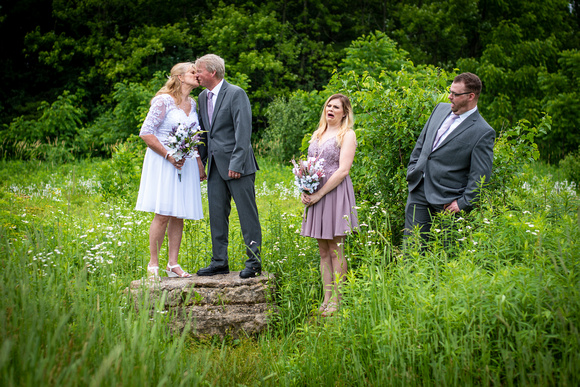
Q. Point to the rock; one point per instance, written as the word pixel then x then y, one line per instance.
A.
pixel 217 305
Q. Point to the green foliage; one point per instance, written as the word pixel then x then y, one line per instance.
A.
pixel 373 54
pixel 122 175
pixel 256 44
pixel 494 306
pixel 49 137
pixel 289 121
pixel 497 306
pixel 525 53
pixel 570 166
pixel 131 104
pixel 562 101
pixel 59 120
pixel 431 31
pixel 526 72
pixel 513 149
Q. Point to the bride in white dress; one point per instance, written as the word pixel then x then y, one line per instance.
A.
pixel 161 191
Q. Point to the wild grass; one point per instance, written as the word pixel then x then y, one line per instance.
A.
pixel 494 300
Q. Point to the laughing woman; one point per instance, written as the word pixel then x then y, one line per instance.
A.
pixel 331 213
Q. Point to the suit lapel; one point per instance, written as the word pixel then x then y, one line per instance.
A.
pixel 203 108
pixel 466 124
pixel 218 102
pixel 437 122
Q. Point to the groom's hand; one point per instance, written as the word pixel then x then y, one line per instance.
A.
pixel 452 207
pixel 234 175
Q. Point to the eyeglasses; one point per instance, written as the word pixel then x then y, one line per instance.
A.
pixel 454 94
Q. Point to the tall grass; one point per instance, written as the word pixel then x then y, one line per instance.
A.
pixel 493 301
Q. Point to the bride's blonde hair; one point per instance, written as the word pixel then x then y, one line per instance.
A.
pixel 346 124
pixel 173 84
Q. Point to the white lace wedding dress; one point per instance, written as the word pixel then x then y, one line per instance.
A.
pixel 161 191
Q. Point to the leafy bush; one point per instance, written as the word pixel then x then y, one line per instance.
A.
pixel 513 149
pixel 289 121
pixel 132 101
pixel 121 175
pixel 374 53
pixel 49 137
pixel 570 166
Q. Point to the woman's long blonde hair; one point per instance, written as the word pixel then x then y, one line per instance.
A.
pixel 173 84
pixel 346 124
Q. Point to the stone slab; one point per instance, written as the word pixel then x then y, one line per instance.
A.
pixel 216 305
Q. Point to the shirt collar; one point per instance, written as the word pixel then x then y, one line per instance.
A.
pixel 217 88
pixel 467 113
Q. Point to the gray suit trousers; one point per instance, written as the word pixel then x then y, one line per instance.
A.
pixel 220 192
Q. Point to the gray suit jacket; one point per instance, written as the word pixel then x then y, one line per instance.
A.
pixel 454 169
pixel 228 138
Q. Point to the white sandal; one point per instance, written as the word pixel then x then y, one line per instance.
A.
pixel 153 272
pixel 172 274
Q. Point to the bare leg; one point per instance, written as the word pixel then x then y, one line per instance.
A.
pixel 325 270
pixel 339 265
pixel 174 234
pixel 156 236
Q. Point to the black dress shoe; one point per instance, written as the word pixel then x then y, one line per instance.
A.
pixel 250 272
pixel 213 270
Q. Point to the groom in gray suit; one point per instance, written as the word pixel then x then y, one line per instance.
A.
pixel 226 116
pixel 451 157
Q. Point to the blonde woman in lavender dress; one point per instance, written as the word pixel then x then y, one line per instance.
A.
pixel 162 191
pixel 331 212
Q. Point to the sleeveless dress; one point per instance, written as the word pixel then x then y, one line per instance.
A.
pixel 160 190
pixel 335 214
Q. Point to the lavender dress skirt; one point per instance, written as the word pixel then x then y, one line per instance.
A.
pixel 335 214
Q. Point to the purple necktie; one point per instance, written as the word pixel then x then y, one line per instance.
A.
pixel 209 105
pixel 443 129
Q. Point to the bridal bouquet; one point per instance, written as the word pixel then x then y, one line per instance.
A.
pixel 307 174
pixel 183 140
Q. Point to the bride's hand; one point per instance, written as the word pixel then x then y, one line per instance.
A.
pixel 176 164
pixel 202 174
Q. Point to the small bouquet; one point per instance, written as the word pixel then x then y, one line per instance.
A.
pixel 183 140
pixel 307 174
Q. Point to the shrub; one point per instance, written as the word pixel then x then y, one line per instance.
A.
pixel 57 127
pixel 514 148
pixel 121 175
pixel 125 119
pixel 289 120
pixel 570 166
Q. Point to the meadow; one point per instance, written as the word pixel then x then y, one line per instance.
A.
pixel 494 300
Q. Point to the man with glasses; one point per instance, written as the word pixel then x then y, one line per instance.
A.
pixel 451 157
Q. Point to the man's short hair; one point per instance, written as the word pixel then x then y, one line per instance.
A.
pixel 212 63
pixel 471 81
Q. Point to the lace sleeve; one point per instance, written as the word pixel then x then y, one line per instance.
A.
pixel 155 116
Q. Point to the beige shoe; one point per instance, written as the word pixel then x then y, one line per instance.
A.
pixel 172 274
pixel 153 273
pixel 330 310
